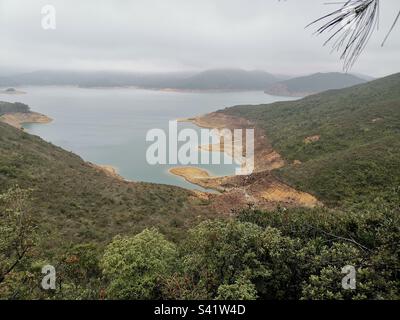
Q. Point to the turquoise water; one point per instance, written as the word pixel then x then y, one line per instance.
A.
pixel 109 126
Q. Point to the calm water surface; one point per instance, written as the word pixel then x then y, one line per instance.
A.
pixel 109 126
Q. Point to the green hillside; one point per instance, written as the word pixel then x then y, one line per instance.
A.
pixel 73 202
pixel 111 239
pixel 353 134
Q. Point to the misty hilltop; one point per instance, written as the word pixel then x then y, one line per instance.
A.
pixel 315 83
pixel 223 79
pixel 229 79
pixel 209 80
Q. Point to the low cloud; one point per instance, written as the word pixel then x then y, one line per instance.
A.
pixel 176 35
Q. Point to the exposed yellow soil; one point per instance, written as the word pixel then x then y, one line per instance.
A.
pixel 17 119
pixel 233 150
pixel 204 196
pixel 260 189
pixel 312 139
pixel 190 172
pixel 266 158
pixel 283 193
pixel 197 176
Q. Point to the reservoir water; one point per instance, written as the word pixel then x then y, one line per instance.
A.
pixel 109 126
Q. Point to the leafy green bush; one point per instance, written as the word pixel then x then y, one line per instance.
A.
pixel 134 266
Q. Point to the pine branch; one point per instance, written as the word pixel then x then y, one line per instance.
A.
pixel 351 26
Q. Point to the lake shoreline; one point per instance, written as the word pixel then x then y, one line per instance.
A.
pixel 18 119
pixel 260 188
pixel 109 126
pixel 172 90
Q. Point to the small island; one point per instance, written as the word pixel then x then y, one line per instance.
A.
pixel 12 91
pixel 16 114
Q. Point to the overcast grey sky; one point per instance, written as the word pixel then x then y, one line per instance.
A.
pixel 175 35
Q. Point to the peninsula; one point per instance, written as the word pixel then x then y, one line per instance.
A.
pixel 16 114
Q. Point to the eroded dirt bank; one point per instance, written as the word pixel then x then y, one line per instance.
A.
pixel 266 158
pixel 261 188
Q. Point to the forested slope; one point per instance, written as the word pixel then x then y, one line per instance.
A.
pixel 74 202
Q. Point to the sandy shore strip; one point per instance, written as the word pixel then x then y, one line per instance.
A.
pixel 17 119
pixel 197 176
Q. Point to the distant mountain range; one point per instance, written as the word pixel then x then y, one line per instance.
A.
pixel 222 79
pixel 229 79
pixel 315 83
pixel 95 79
